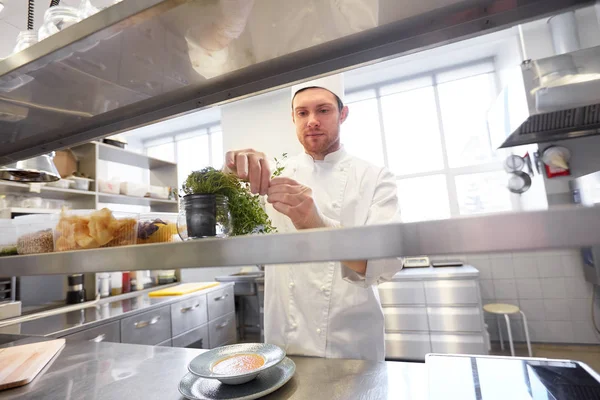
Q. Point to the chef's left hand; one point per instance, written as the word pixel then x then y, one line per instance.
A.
pixel 296 201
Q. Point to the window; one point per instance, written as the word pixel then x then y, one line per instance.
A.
pixel 192 151
pixel 431 132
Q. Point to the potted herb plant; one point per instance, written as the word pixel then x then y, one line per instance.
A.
pixel 216 203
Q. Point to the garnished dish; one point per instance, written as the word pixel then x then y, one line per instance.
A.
pixel 238 364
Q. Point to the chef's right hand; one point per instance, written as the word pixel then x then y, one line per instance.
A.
pixel 252 166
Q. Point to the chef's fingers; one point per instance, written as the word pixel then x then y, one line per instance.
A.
pixel 241 163
pixel 285 188
pixel 285 198
pixel 281 180
pixel 265 176
pixel 282 208
pixel 230 159
pixel 254 172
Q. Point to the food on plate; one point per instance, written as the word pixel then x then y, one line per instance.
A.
pixel 97 229
pixel 238 364
pixel 156 231
pixel 35 243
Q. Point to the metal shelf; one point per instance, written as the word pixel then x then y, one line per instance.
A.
pixel 45 191
pixel 566 227
pixel 139 201
pixel 112 153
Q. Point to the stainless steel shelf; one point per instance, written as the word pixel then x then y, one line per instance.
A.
pixel 138 201
pixel 122 156
pixel 560 228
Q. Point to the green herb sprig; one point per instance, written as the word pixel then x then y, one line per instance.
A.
pixel 279 167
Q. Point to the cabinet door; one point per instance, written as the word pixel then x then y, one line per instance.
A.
pixel 458 344
pixel 188 314
pixel 151 327
pixel 110 332
pixel 455 319
pixel 405 319
pixel 196 338
pixel 221 330
pixel 220 302
pixel 407 346
pixel 400 293
pixel 452 292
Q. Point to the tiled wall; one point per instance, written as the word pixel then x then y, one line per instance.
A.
pixel 548 286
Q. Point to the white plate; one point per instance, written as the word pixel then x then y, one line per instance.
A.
pixel 196 388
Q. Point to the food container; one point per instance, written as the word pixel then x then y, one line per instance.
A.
pixel 8 238
pixel 159 192
pixel 34 233
pixel 134 189
pixel 91 229
pixel 109 186
pixel 157 228
pixel 56 19
pixel 116 283
pixel 62 183
pixel 80 183
pixel 33 202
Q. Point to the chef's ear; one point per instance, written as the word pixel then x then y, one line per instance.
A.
pixel 344 114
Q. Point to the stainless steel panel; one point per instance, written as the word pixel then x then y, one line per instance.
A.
pixel 458 344
pixel 407 346
pixel 188 314
pixel 267 55
pixel 562 227
pixel 110 332
pixel 151 327
pixel 455 319
pixel 452 292
pixel 220 302
pixel 405 319
pixel 396 293
pixel 196 338
pixel 166 343
pixel 221 331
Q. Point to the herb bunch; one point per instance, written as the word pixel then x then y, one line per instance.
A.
pixel 246 211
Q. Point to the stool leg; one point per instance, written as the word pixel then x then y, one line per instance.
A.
pixel 500 333
pixel 510 341
pixel 526 333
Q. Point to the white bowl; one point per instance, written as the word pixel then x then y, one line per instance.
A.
pixel 203 364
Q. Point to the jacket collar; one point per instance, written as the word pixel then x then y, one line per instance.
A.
pixel 331 158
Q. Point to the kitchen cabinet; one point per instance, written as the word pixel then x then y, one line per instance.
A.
pixel 110 332
pixel 188 314
pixel 433 310
pixel 222 330
pixel 196 338
pixel 151 327
pixel 219 302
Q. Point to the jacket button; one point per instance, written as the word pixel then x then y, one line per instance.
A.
pixel 319 330
pixel 294 325
pixel 323 288
pixel 292 285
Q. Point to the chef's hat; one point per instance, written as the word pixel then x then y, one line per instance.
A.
pixel 333 83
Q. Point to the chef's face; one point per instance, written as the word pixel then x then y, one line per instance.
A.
pixel 317 117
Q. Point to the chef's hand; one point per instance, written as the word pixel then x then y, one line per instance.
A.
pixel 252 166
pixel 296 201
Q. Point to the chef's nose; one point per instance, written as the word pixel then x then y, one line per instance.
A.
pixel 313 121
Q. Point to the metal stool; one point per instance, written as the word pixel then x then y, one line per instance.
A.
pixel 506 310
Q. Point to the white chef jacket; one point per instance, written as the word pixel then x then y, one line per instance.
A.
pixel 326 309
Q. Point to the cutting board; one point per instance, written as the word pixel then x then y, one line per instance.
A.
pixel 183 288
pixel 19 365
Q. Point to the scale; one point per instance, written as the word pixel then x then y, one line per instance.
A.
pixel 416 262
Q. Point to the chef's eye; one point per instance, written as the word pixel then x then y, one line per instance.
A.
pixel 324 110
pixel 301 113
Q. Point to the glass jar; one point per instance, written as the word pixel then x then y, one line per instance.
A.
pixel 204 215
pixel 87 8
pixel 56 19
pixel 24 40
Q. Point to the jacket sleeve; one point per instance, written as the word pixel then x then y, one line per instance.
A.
pixel 384 209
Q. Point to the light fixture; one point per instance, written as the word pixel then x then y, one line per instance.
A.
pixel 37 169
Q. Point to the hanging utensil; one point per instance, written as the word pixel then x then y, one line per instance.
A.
pixel 519 182
pixel 514 163
pixel 527 159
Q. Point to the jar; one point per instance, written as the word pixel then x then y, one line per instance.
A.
pixel 24 40
pixel 204 215
pixel 116 283
pixel 56 19
pixel 87 8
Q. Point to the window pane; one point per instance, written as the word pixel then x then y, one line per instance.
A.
pixel 361 133
pixel 216 139
pixel 165 151
pixel 423 198
pixel 483 193
pixel 464 105
pixel 192 155
pixel 412 132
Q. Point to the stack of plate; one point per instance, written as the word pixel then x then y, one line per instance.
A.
pixel 204 384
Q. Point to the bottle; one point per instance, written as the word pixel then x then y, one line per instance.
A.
pixel 116 283
pixel 126 282
pixel 103 284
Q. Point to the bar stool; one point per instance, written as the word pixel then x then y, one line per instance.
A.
pixel 507 309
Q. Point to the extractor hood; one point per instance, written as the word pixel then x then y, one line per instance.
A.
pixel 142 61
pixel 550 99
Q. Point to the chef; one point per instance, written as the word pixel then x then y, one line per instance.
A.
pixel 324 309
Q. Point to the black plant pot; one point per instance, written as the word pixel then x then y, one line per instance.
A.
pixel 200 215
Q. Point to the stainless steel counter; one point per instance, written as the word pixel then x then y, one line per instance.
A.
pixel 85 370
pixel 71 322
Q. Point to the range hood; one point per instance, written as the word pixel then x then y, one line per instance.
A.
pixel 142 61
pixel 550 99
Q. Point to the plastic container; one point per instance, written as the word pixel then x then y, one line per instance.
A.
pixel 33 202
pixel 56 19
pixel 103 281
pixel 62 183
pixel 109 186
pixel 116 283
pixel 159 192
pixel 91 229
pixel 157 228
pixel 80 183
pixel 8 238
pixel 134 189
pixel 24 40
pixel 34 233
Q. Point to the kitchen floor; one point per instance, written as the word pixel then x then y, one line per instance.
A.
pixel 589 354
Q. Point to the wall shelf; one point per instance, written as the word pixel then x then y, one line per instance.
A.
pixel 139 201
